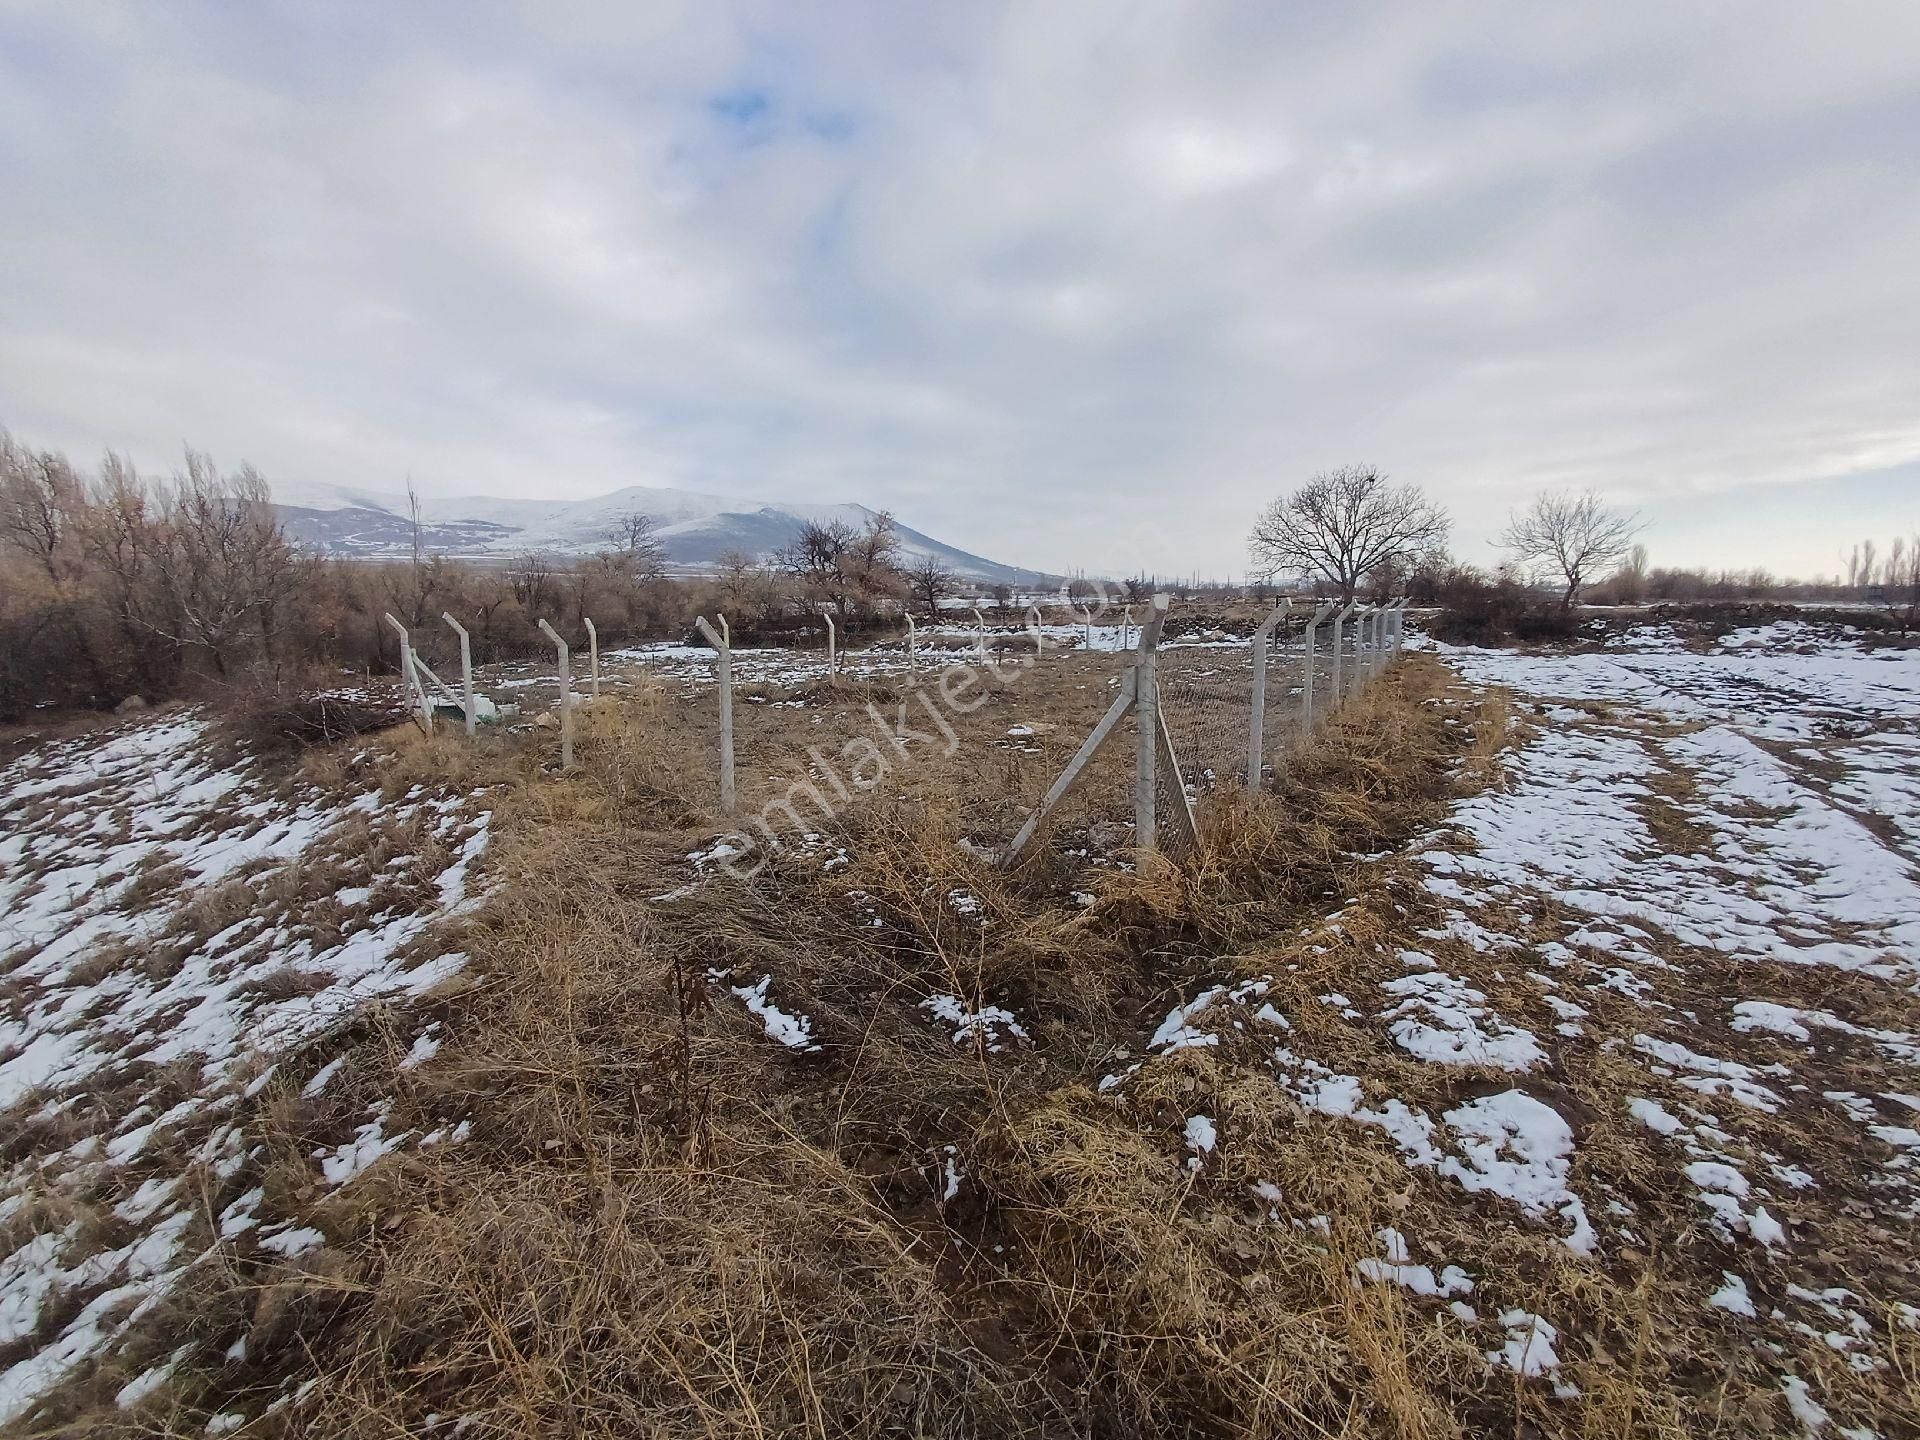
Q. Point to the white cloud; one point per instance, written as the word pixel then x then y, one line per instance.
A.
pixel 1063 284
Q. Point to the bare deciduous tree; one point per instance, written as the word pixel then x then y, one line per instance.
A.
pixel 1577 535
pixel 638 539
pixel 39 497
pixel 1344 524
pixel 1903 580
pixel 815 557
pixel 1630 579
pixel 530 573
pixel 835 562
pixel 873 559
pixel 931 582
pixel 223 566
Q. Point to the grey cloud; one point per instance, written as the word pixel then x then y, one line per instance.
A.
pixel 1064 284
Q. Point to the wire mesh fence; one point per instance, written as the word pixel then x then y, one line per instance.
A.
pixel 1206 691
pixel 1220 724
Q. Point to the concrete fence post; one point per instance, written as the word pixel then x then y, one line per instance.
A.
pixel 1034 621
pixel 1336 694
pixel 979 633
pixel 833 645
pixel 1257 726
pixel 466 669
pixel 1400 626
pixel 726 630
pixel 593 656
pixel 566 694
pixel 1306 689
pixel 1086 629
pixel 1126 628
pixel 913 654
pixel 722 642
pixel 1146 719
pixel 410 677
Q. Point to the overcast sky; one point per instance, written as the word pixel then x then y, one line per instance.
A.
pixel 1065 284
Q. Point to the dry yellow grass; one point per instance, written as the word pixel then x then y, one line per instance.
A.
pixel 664 1224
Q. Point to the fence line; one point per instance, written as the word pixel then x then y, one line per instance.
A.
pixel 1206 713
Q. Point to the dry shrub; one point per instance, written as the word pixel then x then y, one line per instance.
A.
pixel 272 723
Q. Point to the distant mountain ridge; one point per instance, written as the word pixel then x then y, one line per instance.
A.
pixel 695 529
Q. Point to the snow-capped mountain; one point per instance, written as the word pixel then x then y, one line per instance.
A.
pixel 695 529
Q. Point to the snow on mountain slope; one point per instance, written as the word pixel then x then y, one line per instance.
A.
pixel 695 528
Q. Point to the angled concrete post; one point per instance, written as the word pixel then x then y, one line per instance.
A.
pixel 726 630
pixel 593 654
pixel 1400 625
pixel 833 656
pixel 1126 628
pixel 1086 629
pixel 979 633
pixel 566 695
pixel 723 647
pixel 1257 728
pixel 1146 719
pixel 410 677
pixel 913 655
pixel 1076 767
pixel 1306 691
pixel 466 669
pixel 1034 621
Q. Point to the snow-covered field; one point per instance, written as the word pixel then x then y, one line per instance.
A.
pixel 182 935
pixel 1651 993
pixel 1694 900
